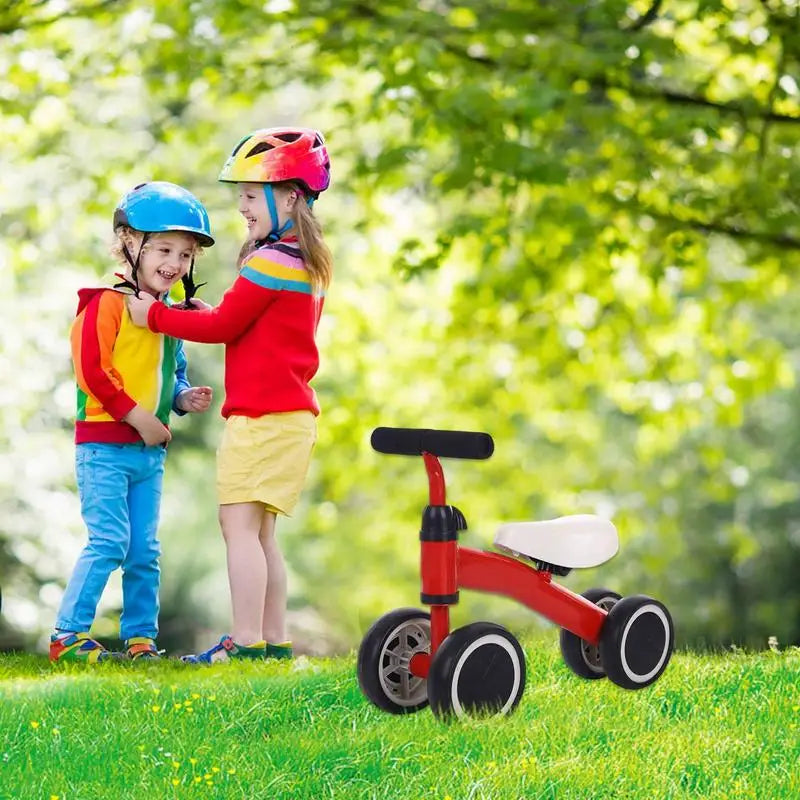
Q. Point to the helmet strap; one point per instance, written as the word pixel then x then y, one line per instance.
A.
pixel 277 230
pixel 189 287
pixel 134 264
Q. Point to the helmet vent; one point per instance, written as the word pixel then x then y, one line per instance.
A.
pixel 261 147
pixel 288 137
pixel 239 146
pixel 318 141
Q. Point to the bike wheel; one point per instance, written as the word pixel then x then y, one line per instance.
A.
pixel 479 669
pixel 384 656
pixel 636 641
pixel 583 657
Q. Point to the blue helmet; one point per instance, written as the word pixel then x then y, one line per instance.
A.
pixel 160 206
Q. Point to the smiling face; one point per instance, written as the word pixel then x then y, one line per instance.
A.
pixel 165 259
pixel 253 207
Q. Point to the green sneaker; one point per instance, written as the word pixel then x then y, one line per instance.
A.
pixel 227 650
pixel 282 650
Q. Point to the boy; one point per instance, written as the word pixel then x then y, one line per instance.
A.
pixel 128 380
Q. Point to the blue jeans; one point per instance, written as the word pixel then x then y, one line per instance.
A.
pixel 120 491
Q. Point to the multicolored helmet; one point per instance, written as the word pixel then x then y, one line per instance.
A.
pixel 160 206
pixel 271 155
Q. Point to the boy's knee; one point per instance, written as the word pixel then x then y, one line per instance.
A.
pixel 144 556
pixel 111 549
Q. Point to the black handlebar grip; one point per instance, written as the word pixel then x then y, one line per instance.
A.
pixel 445 444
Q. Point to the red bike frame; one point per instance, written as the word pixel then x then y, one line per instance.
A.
pixel 445 567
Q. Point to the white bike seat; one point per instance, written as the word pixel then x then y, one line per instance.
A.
pixel 579 540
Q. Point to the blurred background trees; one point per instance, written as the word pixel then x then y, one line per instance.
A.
pixel 573 225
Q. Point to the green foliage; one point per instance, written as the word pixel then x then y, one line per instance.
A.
pixel 572 225
pixel 721 726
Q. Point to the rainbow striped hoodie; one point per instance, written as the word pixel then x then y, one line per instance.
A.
pixel 117 366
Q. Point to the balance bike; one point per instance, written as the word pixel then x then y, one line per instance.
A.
pixel 410 658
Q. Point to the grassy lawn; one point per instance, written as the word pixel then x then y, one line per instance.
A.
pixel 721 726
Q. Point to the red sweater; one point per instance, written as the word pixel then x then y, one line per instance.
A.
pixel 267 320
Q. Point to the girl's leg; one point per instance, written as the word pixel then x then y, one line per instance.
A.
pixel 140 570
pixel 247 568
pixel 274 627
pixel 102 473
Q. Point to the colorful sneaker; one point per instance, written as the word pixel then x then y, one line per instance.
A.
pixel 77 647
pixel 141 647
pixel 282 650
pixel 226 650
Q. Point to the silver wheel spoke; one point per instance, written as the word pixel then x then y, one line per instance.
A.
pixel 404 683
pixel 395 676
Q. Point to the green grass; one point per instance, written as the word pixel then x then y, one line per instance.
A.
pixel 721 726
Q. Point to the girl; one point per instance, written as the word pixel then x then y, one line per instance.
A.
pixel 128 380
pixel 268 321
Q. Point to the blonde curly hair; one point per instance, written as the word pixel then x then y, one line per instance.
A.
pixel 131 238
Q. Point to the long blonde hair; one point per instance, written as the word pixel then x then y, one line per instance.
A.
pixel 316 254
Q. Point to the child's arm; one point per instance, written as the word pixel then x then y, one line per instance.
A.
pixel 181 381
pixel 240 306
pixel 187 398
pixel 92 352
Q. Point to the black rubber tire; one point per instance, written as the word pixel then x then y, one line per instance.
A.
pixel 579 655
pixel 479 669
pixel 382 664
pixel 636 641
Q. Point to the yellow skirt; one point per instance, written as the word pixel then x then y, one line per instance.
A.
pixel 265 459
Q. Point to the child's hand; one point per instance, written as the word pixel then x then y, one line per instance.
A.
pixel 195 399
pixel 196 303
pixel 150 427
pixel 138 308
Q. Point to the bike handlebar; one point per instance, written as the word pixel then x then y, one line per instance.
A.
pixel 444 444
